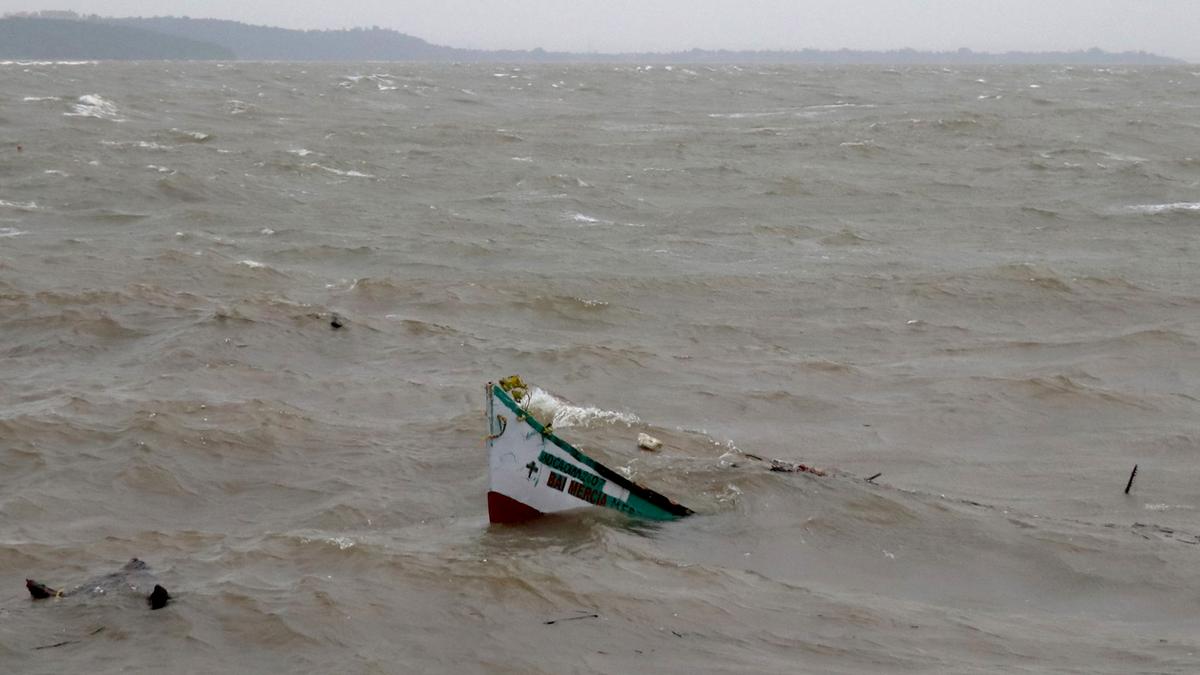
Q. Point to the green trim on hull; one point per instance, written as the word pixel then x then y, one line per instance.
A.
pixel 642 502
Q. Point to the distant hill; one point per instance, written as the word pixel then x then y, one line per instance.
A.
pixel 264 43
pixel 57 39
pixel 65 35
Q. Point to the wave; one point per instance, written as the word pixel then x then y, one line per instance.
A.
pixel 562 413
pixel 141 145
pixel 95 106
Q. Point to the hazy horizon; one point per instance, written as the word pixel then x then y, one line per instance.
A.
pixel 1166 28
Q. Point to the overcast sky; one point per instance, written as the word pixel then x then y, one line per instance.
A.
pixel 1168 27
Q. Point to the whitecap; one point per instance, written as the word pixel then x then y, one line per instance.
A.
pixel 1117 157
pixel 342 543
pixel 339 172
pixel 750 115
pixel 253 264
pixel 48 63
pixel 195 136
pixel 56 172
pixel 144 145
pixel 11 232
pixel 1165 208
pixel 835 106
pixel 236 107
pixel 23 206
pixel 300 152
pixel 36 99
pixel 96 106
pixel 545 405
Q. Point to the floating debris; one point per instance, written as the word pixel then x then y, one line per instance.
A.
pixel 648 442
pixel 1131 475
pixel 571 618
pixel 788 467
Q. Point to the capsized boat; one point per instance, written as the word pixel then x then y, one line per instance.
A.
pixel 534 472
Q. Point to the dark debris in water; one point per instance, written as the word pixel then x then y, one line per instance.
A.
pixel 67 642
pixel 1145 530
pixel 572 618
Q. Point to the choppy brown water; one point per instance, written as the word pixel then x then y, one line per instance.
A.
pixel 978 282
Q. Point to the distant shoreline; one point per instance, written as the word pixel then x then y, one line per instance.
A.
pixel 69 36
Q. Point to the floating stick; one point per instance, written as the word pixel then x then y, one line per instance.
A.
pixel 571 618
pixel 872 478
pixel 1130 483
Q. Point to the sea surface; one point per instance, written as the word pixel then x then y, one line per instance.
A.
pixel 978 283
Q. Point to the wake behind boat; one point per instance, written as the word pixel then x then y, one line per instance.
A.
pixel 533 472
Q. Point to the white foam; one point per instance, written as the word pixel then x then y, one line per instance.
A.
pixel 160 169
pixel 197 136
pixel 342 543
pixel 144 145
pixel 545 405
pixel 1116 157
pixel 1165 208
pixel 11 232
pixel 56 172
pixel 806 111
pixel 36 99
pixel 253 264
pixel 835 106
pixel 95 105
pixel 580 218
pixel 751 115
pixel 48 63
pixel 300 152
pixel 1168 507
pixel 339 172
pixel 23 206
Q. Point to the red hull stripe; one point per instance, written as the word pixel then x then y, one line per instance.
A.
pixel 505 509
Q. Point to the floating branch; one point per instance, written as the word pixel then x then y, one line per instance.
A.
pixel 571 618
pixel 1131 475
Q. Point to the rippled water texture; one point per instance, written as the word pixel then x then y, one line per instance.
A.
pixel 979 283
